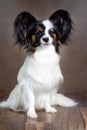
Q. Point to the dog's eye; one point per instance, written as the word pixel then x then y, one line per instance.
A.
pixel 38 32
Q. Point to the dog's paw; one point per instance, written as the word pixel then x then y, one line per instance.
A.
pixel 51 110
pixel 31 114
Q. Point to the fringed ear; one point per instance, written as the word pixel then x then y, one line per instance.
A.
pixel 61 19
pixel 21 26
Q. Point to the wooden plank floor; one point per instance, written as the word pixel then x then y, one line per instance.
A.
pixel 65 119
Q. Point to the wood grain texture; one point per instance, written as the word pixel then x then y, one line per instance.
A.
pixel 64 119
pixel 84 115
pixel 10 120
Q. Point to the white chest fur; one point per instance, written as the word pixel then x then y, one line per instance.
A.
pixel 38 82
pixel 42 68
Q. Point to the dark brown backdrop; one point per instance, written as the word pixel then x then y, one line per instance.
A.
pixel 73 56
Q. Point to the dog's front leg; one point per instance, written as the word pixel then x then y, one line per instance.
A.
pixel 29 101
pixel 31 104
pixel 31 110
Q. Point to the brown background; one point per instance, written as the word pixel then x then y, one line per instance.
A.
pixel 73 56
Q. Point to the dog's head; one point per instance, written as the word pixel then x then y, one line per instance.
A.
pixel 32 33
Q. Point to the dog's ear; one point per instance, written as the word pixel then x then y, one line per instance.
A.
pixel 62 20
pixel 22 23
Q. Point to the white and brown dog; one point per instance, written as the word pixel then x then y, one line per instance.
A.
pixel 40 76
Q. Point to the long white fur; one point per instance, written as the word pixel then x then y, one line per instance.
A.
pixel 38 81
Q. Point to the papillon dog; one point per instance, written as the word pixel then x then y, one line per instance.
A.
pixel 40 76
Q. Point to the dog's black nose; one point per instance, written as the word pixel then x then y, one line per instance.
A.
pixel 45 39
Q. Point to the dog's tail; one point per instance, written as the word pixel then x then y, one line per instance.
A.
pixel 4 104
pixel 61 100
pixel 13 100
pixel 65 101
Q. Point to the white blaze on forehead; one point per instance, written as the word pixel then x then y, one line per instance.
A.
pixel 48 25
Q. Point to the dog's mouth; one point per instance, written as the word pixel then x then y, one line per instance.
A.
pixel 39 44
pixel 45 44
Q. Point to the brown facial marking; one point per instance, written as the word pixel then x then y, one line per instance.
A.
pixel 53 35
pixel 39 30
pixel 33 39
